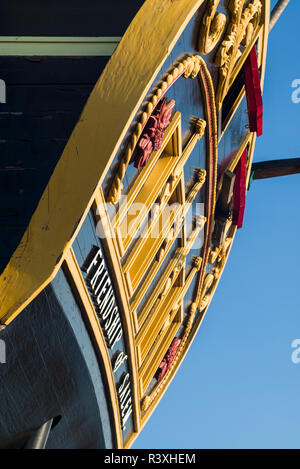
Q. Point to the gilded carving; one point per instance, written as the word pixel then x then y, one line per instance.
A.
pixel 196 262
pixel 212 27
pixel 209 278
pixel 212 257
pixel 239 32
pixel 198 67
pixel 200 175
pixel 200 222
pixel 200 126
pixel 204 302
pixel 219 255
pixel 189 67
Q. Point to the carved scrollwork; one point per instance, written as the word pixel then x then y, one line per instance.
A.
pixel 204 302
pixel 239 32
pixel 212 257
pixel 196 262
pixel 219 255
pixel 213 25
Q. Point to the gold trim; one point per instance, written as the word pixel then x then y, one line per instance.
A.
pixel 241 30
pixel 150 190
pixel 171 271
pixel 145 249
pixel 146 170
pixel 188 68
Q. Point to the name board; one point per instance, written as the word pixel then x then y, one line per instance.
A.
pixel 125 402
pixel 102 293
pixel 100 286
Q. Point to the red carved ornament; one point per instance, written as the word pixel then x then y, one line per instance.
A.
pixel 152 136
pixel 168 359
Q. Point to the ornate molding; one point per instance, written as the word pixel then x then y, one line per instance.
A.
pixel 189 68
pixel 239 32
pixel 205 79
pixel 212 27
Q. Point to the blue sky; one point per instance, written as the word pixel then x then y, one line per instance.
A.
pixel 238 387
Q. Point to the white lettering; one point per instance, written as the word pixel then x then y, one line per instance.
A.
pixel 296 353
pixel 94 261
pixel 118 337
pixel 119 360
pixel 296 93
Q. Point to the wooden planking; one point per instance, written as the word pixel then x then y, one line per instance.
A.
pixel 51 70
pixel 67 17
pixel 42 108
pixel 43 125
pixel 19 155
pixel 36 99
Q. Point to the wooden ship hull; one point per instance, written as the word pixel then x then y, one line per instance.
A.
pixel 127 140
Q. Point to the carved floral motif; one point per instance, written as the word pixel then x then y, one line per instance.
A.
pixel 168 359
pixel 240 30
pixel 152 136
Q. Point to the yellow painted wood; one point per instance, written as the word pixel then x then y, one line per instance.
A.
pixel 161 348
pixel 180 255
pixel 57 46
pixel 151 188
pixel 171 266
pixel 140 293
pixel 90 152
pixel 91 149
pixel 158 316
pixel 154 324
pixel 145 249
pixel 169 135
pixel 153 182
